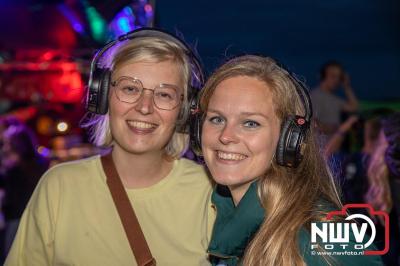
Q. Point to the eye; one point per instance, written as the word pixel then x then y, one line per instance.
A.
pixel 130 90
pixel 216 120
pixel 251 124
pixel 164 95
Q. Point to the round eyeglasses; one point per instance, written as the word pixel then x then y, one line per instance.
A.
pixel 130 90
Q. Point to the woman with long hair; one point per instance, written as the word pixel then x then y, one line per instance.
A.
pixel 251 108
pixel 383 173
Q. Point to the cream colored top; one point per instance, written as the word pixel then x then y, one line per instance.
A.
pixel 71 218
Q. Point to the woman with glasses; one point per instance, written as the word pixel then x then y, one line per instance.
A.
pixel 71 218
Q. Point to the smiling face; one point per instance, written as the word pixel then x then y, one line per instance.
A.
pixel 240 131
pixel 141 127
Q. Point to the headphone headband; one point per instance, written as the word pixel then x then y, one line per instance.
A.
pixel 302 91
pixel 97 101
pixel 150 32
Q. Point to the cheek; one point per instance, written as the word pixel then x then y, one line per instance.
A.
pixel 263 148
pixel 205 134
pixel 169 118
pixel 117 108
pixel 209 135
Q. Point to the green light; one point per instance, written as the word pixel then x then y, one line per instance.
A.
pixel 97 24
pixel 370 105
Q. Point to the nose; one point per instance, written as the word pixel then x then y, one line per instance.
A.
pixel 228 135
pixel 145 103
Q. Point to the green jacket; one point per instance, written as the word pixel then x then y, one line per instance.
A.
pixel 235 227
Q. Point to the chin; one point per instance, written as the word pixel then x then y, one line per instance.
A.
pixel 227 180
pixel 138 148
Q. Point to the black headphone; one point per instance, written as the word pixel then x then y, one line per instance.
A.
pixel 289 151
pixel 100 76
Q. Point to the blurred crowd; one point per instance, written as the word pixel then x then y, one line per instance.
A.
pixel 363 150
pixel 21 167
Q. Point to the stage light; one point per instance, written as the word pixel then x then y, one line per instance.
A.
pixel 136 15
pixel 123 22
pixel 43 151
pixel 97 24
pixel 73 19
pixel 62 126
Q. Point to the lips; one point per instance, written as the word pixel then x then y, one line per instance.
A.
pixel 230 156
pixel 141 126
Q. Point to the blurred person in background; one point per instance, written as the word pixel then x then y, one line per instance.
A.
pixel 365 176
pixel 21 168
pixel 384 184
pixel 327 106
pixel 350 167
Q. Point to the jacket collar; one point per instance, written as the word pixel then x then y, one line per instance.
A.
pixel 235 226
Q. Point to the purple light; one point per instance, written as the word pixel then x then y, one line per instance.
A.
pixel 72 18
pixel 138 14
pixel 45 152
pixel 148 8
pixel 78 27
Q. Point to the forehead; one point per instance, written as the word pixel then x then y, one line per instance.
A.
pixel 242 94
pixel 151 72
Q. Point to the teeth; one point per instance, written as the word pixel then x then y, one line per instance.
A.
pixel 230 156
pixel 141 125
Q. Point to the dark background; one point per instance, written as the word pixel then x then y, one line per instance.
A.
pixel 362 34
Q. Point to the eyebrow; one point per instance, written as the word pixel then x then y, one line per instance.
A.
pixel 242 113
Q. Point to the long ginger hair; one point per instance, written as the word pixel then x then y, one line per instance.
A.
pixel 290 196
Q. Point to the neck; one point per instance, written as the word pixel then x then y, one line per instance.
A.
pixel 141 170
pixel 238 192
pixel 325 87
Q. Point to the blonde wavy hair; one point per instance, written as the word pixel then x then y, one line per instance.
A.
pixel 291 197
pixel 379 193
pixel 148 49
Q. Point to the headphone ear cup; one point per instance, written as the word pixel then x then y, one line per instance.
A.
pixel 97 98
pixel 183 120
pixel 104 90
pixel 280 149
pixel 195 124
pixel 289 149
pixel 196 135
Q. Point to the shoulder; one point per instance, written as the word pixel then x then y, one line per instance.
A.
pixel 190 166
pixel 191 172
pixel 316 92
pixel 318 97
pixel 71 171
pixel 64 180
